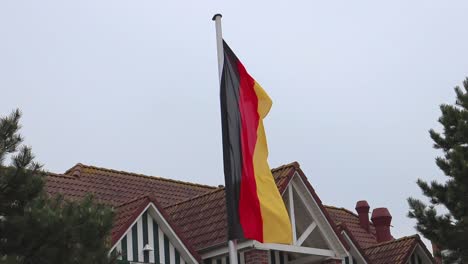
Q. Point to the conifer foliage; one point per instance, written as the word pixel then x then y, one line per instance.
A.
pixel 36 228
pixel 449 231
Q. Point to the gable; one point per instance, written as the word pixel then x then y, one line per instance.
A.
pixel 311 227
pixel 315 238
pixel 420 255
pixel 150 239
pixel 394 251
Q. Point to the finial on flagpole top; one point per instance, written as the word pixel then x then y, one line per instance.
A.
pixel 216 15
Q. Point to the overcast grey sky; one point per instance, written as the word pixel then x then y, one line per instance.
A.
pixel 133 85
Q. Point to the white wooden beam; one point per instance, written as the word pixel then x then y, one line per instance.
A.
pixel 306 234
pixel 291 212
pixel 305 260
pixel 295 249
pixel 224 250
pixel 303 199
pixel 332 239
pixel 271 246
pixel 353 247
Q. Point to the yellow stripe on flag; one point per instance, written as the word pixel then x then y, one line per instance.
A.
pixel 276 224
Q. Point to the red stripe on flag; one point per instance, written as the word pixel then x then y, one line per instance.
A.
pixel 249 205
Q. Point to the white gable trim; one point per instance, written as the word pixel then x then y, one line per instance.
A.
pixel 224 250
pixel 165 228
pixel 129 228
pixel 350 242
pixel 270 246
pixel 421 252
pixel 306 233
pixel 295 249
pixel 320 219
pixel 292 214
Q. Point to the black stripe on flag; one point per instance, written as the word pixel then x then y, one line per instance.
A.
pixel 232 152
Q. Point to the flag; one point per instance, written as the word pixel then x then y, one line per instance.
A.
pixel 255 208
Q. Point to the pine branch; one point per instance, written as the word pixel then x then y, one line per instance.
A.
pixel 449 231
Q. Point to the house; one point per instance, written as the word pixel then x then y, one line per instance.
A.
pixel 166 221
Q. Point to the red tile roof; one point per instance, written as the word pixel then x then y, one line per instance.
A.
pixel 197 212
pixel 391 252
pixel 395 251
pixel 116 187
pixel 351 220
pixel 128 192
pixel 284 173
pixel 202 220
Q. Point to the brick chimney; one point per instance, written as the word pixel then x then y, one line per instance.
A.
pixel 382 218
pixel 362 208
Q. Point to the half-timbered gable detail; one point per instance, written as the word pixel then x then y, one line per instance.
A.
pixel 149 237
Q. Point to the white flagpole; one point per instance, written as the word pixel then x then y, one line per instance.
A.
pixel 219 43
pixel 232 244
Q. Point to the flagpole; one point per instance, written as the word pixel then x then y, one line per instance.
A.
pixel 232 244
pixel 219 43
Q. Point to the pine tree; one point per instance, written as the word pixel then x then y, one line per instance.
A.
pixel 449 231
pixel 36 228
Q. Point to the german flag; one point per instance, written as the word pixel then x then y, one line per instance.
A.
pixel 255 208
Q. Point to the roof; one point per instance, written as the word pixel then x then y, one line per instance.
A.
pixel 284 173
pixel 363 237
pixel 197 213
pixel 129 193
pixel 114 187
pixel 183 201
pixel 203 219
pixel 394 251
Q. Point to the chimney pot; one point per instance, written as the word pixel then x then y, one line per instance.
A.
pixel 382 219
pixel 362 208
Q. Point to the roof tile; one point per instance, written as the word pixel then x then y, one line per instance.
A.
pixel 396 251
pixel 202 219
pixel 392 252
pixel 116 187
pixel 363 237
